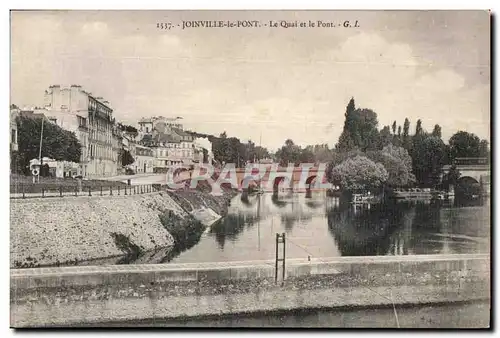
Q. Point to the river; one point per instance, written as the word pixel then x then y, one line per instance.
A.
pixel 320 226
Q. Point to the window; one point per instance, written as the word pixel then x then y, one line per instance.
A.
pixel 13 136
pixel 147 129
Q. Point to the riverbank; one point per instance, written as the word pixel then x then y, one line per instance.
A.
pixel 104 229
pixel 85 295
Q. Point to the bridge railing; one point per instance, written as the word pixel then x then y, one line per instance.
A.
pixel 471 161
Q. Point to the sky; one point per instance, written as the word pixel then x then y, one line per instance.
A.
pixel 264 84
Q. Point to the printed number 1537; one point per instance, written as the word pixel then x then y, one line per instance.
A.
pixel 164 25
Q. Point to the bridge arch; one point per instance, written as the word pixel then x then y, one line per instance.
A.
pixel 310 181
pixel 280 180
pixel 467 186
pixel 468 180
pixel 179 171
pixel 248 182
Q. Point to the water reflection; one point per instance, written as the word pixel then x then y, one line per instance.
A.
pixel 321 226
pixel 230 226
pixel 364 231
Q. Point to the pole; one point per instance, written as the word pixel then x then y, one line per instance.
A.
pixel 258 221
pixel 276 263
pixel 284 245
pixel 40 151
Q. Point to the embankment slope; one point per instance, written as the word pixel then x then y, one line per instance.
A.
pixel 58 230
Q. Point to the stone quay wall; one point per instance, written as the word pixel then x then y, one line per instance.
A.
pixel 45 297
pixel 70 229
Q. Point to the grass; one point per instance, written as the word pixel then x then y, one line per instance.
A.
pixel 130 250
pixel 185 231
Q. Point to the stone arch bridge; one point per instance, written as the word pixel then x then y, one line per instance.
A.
pixel 476 169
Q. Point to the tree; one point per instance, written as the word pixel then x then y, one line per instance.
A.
pixel 428 154
pixel 360 130
pixel 321 152
pixel 231 150
pixel 224 149
pixel 346 141
pixel 437 131
pixel 307 156
pixel 385 136
pixel 397 138
pixel 453 176
pixel 57 143
pixel 418 129
pixel 261 153
pixel 359 173
pixel 484 149
pixel 464 144
pixel 289 153
pixel 126 158
pixel 398 164
pixel 406 135
pixel 394 128
pixel 365 129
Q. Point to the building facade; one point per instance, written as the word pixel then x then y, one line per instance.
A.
pixel 171 144
pixel 144 160
pixel 91 118
pixel 13 129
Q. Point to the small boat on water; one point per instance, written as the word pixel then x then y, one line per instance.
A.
pixel 364 199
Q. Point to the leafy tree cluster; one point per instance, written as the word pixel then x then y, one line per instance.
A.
pixel 360 129
pixel 232 150
pixel 359 173
pixel 464 144
pixel 131 130
pixel 57 143
pixel 425 153
pixel 398 164
pixel 291 153
pixel 126 158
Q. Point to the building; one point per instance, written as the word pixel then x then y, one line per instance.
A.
pixel 14 112
pixel 144 160
pixel 171 144
pixel 91 118
pixel 59 169
pixel 147 125
pixel 171 150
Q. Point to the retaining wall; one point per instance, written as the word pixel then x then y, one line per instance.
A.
pixel 97 294
pixel 58 230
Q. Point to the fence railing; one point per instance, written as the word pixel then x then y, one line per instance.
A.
pixel 22 191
